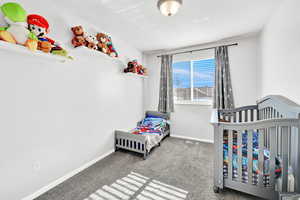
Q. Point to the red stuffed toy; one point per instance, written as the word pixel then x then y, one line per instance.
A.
pixel 40 27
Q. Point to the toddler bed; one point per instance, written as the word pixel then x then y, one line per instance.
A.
pixel 148 134
pixel 257 148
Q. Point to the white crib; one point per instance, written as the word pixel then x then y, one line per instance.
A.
pixel 253 142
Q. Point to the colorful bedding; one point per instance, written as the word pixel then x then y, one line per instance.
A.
pixel 152 128
pixel 150 125
pixel 266 170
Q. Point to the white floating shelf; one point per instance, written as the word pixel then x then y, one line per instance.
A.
pixel 84 50
pixel 6 46
pixel 135 75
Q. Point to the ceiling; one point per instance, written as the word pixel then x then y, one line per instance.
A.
pixel 198 21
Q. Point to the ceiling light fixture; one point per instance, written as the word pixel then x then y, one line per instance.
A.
pixel 169 7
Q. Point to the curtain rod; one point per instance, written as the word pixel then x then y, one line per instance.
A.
pixel 191 51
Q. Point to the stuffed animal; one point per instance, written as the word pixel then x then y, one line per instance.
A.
pixel 112 50
pixel 78 39
pixel 103 47
pixel 135 67
pixel 91 42
pixel 102 43
pixel 131 67
pixel 40 27
pixel 78 30
pixel 16 30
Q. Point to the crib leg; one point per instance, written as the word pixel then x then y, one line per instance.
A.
pixel 116 149
pixel 146 155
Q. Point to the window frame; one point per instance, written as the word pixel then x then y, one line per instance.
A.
pixel 202 102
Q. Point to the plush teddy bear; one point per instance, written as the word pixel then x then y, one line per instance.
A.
pixel 77 30
pixel 91 42
pixel 78 39
pixel 102 43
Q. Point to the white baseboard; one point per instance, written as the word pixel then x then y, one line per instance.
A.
pixel 65 177
pixel 191 138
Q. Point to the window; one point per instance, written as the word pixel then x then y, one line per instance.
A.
pixel 193 81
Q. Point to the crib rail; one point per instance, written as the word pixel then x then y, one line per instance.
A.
pixel 241 114
pixel 250 141
pixel 269 123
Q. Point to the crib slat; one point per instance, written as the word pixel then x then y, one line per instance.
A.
pixel 246 115
pixel 240 116
pixel 252 115
pixel 230 144
pixel 234 117
pixel 284 157
pixel 273 151
pixel 297 172
pixel 240 147
pixel 261 142
pixel 250 155
pixel 271 114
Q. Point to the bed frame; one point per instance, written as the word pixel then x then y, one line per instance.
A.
pixel 138 143
pixel 276 119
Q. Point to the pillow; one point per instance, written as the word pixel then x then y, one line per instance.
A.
pixel 152 116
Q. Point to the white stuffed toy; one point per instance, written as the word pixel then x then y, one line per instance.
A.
pixel 16 30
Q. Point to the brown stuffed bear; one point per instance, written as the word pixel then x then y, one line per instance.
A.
pixel 102 43
pixel 78 39
pixel 77 30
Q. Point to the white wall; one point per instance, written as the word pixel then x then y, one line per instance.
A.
pixel 55 117
pixel 193 120
pixel 280 52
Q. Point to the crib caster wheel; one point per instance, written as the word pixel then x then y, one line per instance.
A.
pixel 216 189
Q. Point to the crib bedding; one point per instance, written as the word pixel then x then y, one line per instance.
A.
pixel 266 172
pixel 152 128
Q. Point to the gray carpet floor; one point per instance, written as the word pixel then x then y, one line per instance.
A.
pixel 181 163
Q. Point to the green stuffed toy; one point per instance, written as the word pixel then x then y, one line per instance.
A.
pixel 61 52
pixel 16 30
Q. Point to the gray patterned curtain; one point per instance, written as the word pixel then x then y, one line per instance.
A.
pixel 166 100
pixel 223 96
